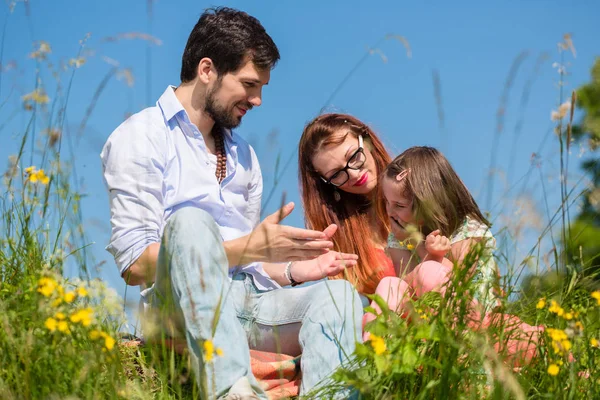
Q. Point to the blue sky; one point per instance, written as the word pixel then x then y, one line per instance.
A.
pixel 470 44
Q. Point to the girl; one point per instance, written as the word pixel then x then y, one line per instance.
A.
pixel 425 197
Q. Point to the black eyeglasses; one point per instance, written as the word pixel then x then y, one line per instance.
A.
pixel 356 161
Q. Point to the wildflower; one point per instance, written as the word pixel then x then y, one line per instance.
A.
pixel 596 295
pixel 77 62
pixel 553 369
pixel 69 297
pixel 594 342
pixel 95 334
pixel 47 286
pixel 410 246
pixel 62 326
pixel 43 49
pixel 569 316
pixel 556 308
pixel 210 351
pixel 541 303
pixel 38 96
pixel 378 344
pixel 562 111
pixel 60 316
pixel 579 325
pixel 51 324
pixel 109 342
pixel 81 292
pixel 84 316
pixel 30 170
pixel 57 302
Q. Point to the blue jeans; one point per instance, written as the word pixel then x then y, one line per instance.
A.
pixel 321 321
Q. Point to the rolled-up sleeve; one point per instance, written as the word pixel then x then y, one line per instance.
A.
pixel 133 163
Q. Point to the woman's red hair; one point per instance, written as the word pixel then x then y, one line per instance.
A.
pixel 352 213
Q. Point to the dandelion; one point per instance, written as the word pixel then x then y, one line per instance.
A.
pixel 410 246
pixel 62 326
pixel 594 342
pixel 556 308
pixel 60 316
pixel 596 295
pixel 209 349
pixel 69 297
pixel 81 292
pixel 109 342
pixel 541 303
pixel 569 316
pixel 84 316
pixel 51 324
pixel 95 334
pixel 378 344
pixel 47 286
pixel 553 369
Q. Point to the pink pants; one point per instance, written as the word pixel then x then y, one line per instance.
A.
pixel 521 339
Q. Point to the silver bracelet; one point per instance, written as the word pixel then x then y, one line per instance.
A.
pixel 288 274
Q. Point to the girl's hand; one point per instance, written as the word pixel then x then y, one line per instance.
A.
pixel 329 264
pixel 437 245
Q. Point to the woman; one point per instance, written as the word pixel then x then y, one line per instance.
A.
pixel 339 160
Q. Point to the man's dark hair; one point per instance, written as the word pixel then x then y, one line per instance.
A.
pixel 227 36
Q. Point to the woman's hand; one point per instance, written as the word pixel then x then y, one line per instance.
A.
pixel 437 246
pixel 329 264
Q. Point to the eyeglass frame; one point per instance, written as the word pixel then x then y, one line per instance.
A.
pixel 360 149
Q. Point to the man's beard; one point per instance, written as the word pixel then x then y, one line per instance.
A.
pixel 223 117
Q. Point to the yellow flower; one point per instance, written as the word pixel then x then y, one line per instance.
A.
pixel 96 334
pixel 39 176
pixel 410 246
pixel 594 342
pixel 109 342
pixel 60 316
pixel 556 308
pixel 51 324
pixel 596 295
pixel 209 349
pixel 46 286
pixel 569 316
pixel 62 326
pixel 84 316
pixel 566 345
pixel 579 325
pixel 69 297
pixel 541 303
pixel 378 344
pixel 57 302
pixel 30 170
pixel 553 369
pixel 81 292
pixel 219 352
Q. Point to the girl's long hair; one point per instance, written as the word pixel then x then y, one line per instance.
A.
pixel 440 198
pixel 352 213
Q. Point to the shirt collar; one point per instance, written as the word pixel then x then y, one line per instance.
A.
pixel 171 106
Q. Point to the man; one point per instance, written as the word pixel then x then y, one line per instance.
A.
pixel 185 194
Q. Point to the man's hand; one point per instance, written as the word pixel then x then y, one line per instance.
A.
pixel 329 264
pixel 273 242
pixel 437 246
